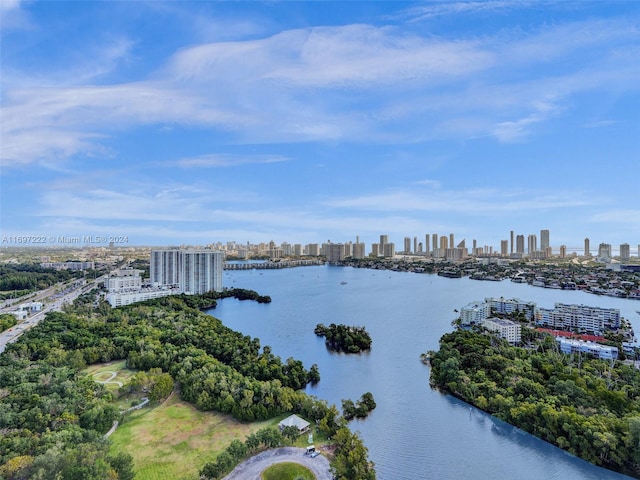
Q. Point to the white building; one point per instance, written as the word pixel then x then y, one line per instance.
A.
pixel 569 345
pixel 578 317
pixel 510 331
pixel 509 306
pixel 191 271
pixel 117 299
pixel 123 279
pixel 474 313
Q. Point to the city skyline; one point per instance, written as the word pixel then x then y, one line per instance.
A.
pixel 168 123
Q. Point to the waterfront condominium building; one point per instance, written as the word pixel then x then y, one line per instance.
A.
pixel 587 250
pixel 578 317
pixel 427 246
pixel 192 271
pixel 510 331
pixel 504 247
pixel 474 313
pixel 512 305
pixel 334 252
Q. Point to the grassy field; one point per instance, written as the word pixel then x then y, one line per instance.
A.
pixel 287 471
pixel 173 441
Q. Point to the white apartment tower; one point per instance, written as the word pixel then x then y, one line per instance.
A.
pixel 193 271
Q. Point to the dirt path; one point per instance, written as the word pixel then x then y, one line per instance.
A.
pixel 252 468
pixel 110 379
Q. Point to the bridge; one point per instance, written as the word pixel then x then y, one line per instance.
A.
pixel 272 265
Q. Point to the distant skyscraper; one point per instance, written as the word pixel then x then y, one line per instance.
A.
pixel 504 247
pixel 415 244
pixel 625 252
pixel 587 251
pixel 427 247
pixel 604 251
pixel 383 240
pixel 334 252
pixel 563 251
pixel 407 245
pixel 434 241
pixel 544 240
pixel 375 249
pixel 511 251
pixel 358 250
pixel 451 242
pixel 389 249
pixel 532 243
pixel 520 244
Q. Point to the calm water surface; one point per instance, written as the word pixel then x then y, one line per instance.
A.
pixel 415 432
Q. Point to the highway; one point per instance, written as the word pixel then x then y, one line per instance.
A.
pixel 54 303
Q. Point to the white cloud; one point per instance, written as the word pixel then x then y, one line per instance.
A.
pixel 225 160
pixel 487 202
pixel 355 82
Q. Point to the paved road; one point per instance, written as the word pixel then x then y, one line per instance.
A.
pixel 251 469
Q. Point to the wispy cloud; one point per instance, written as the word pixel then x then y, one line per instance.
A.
pixel 214 160
pixel 356 83
pixel 487 202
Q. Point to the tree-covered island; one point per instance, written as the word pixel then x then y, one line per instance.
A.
pixel 344 338
pixel 587 406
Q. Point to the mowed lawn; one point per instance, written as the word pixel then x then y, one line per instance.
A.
pixel 174 440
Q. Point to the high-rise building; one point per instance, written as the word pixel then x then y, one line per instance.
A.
pixel 532 243
pixel 427 246
pixel 511 251
pixel 384 239
pixel 625 252
pixel 587 251
pixel 407 245
pixel 389 250
pixel 334 252
pixel 604 251
pixel 504 247
pixel 192 271
pixel 375 250
pixel 201 271
pixel 444 242
pixel 563 251
pixel 451 242
pixel 434 241
pixel 165 266
pixel 415 244
pixel 520 244
pixel 358 250
pixel 544 240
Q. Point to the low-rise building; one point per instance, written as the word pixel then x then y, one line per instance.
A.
pixel 474 313
pixel 569 345
pixel 510 331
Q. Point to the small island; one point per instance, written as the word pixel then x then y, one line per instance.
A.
pixel 344 338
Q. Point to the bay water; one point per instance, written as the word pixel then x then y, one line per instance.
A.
pixel 415 432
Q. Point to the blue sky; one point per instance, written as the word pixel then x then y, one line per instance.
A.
pixel 199 122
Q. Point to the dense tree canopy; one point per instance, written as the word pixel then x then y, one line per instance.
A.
pixel 52 417
pixel 344 338
pixel 587 406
